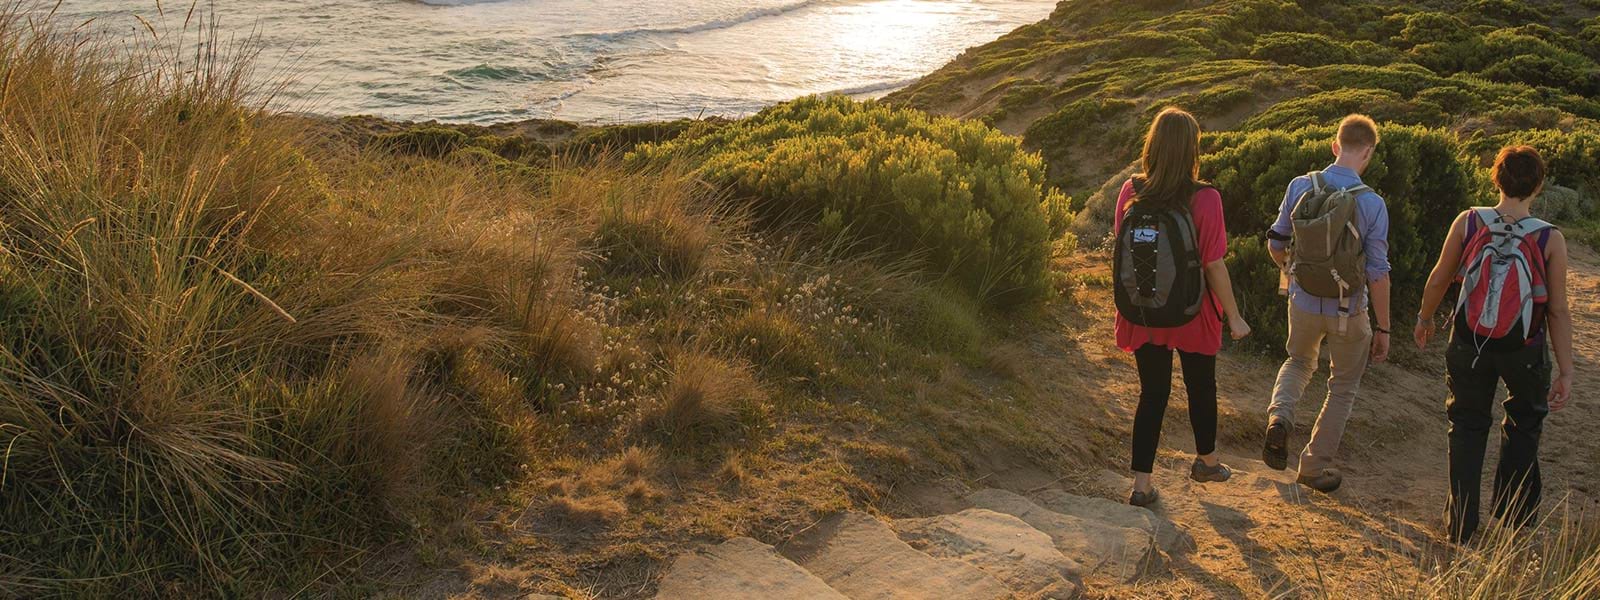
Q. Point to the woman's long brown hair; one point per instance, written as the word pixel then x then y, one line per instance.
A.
pixel 1171 160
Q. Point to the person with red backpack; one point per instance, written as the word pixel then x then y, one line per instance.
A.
pixel 1512 308
pixel 1172 287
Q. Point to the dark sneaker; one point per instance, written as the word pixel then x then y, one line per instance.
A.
pixel 1325 481
pixel 1204 474
pixel 1276 451
pixel 1139 498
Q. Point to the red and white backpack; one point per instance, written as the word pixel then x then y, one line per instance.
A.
pixel 1502 275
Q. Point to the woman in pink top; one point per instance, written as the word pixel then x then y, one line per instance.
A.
pixel 1171 181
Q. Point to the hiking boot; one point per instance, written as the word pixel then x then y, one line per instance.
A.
pixel 1202 473
pixel 1142 499
pixel 1276 451
pixel 1325 481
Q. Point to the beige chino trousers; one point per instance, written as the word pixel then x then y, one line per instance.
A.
pixel 1348 352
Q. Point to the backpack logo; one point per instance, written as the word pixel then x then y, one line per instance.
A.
pixel 1502 276
pixel 1146 235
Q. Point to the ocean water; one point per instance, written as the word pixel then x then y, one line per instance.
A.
pixel 593 61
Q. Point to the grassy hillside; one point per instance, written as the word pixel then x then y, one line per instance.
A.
pixel 245 353
pixel 242 350
pixel 1452 82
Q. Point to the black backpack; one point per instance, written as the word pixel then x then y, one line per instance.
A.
pixel 1157 273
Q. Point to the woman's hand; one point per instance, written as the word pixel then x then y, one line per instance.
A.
pixel 1423 332
pixel 1560 392
pixel 1239 328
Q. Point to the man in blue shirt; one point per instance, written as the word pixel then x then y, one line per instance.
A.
pixel 1352 340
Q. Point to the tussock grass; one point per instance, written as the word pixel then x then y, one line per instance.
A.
pixel 1559 557
pixel 703 399
pixel 243 351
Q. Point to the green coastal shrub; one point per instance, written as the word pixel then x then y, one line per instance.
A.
pixel 1304 49
pixel 1573 157
pixel 1328 107
pixel 1506 11
pixel 1424 175
pixel 1434 28
pixel 963 198
pixel 430 142
pixel 1113 122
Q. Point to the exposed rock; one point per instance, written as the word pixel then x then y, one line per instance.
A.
pixel 862 557
pixel 1117 513
pixel 1001 545
pixel 1104 550
pixel 741 568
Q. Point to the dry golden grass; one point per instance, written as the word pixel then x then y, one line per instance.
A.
pixel 703 399
pixel 1558 557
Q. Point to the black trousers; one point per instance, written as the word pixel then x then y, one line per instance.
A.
pixel 1155 387
pixel 1474 379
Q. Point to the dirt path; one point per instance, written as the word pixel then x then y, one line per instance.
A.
pixel 1258 535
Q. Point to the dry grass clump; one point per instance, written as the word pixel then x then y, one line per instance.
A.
pixel 656 229
pixel 601 493
pixel 1557 558
pixel 703 400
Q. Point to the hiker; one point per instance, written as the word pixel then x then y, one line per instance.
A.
pixel 1331 241
pixel 1171 286
pixel 1512 307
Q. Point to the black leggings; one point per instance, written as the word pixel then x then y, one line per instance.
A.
pixel 1155 386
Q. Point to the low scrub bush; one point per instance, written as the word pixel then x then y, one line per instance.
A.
pixel 430 142
pixel 966 199
pixel 1514 12
pixel 1303 49
pixel 1328 107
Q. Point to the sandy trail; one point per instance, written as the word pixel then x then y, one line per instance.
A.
pixel 1260 535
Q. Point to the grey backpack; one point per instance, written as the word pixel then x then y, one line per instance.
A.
pixel 1328 259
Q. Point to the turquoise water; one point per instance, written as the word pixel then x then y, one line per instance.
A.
pixel 580 60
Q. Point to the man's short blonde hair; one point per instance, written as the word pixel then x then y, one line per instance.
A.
pixel 1357 132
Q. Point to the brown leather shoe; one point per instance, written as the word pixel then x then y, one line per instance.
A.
pixel 1325 481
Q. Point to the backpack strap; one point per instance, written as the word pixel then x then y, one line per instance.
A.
pixel 1531 225
pixel 1316 182
pixel 1487 216
pixel 1358 189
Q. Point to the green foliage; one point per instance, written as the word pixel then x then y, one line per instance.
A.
pixel 1573 157
pixel 1328 107
pixel 1304 49
pixel 942 320
pixel 623 138
pixel 1216 100
pixel 1112 121
pixel 969 202
pixel 1506 11
pixel 430 142
pixel 1434 28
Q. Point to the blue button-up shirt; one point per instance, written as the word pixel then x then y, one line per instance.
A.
pixel 1372 218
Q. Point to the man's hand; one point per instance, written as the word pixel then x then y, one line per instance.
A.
pixel 1380 347
pixel 1560 392
pixel 1423 332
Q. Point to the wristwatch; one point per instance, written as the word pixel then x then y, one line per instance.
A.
pixel 1380 330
